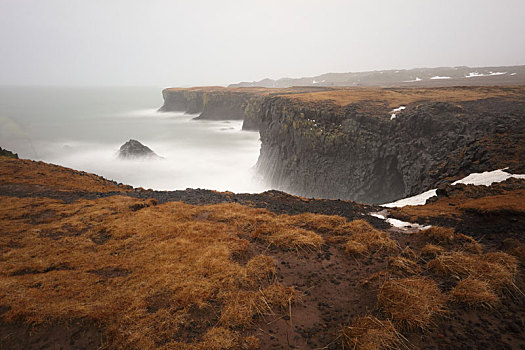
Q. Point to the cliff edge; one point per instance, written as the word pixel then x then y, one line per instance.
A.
pixel 372 145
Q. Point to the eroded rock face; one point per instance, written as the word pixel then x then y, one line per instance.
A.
pixel 356 152
pixel 135 149
pixel 6 153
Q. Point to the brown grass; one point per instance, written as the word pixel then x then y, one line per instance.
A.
pixel 411 302
pixel 454 206
pixel 474 293
pixel 497 269
pixel 396 97
pixel 144 273
pixel 440 234
pixel 431 250
pixel 515 248
pixel 370 333
pixel 28 172
pixel 366 239
pixel 457 241
pixel 401 266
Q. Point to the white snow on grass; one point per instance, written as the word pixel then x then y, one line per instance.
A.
pixel 476 74
pixel 480 179
pixel 419 199
pixel 383 215
pixel 412 81
pixel 438 77
pixel 406 225
pixel 488 178
pixel 395 110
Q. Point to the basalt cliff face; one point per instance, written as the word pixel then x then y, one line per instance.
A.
pixel 217 103
pixel 346 143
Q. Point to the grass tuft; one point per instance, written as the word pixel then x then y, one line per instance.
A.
pixel 497 269
pixel 366 239
pixel 431 250
pixel 370 333
pixel 411 302
pixel 401 266
pixel 474 293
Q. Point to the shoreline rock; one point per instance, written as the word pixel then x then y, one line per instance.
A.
pixel 133 149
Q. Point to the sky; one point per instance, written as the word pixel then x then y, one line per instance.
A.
pixel 213 42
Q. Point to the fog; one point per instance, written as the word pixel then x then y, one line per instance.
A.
pixel 83 128
pixel 183 43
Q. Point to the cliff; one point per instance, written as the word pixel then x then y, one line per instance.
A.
pixel 6 153
pixel 217 103
pixel 346 143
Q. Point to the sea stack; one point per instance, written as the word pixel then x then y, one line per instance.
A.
pixel 135 149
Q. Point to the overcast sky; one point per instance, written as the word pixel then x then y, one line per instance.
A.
pixel 198 42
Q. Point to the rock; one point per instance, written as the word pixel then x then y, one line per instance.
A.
pixel 6 153
pixel 135 149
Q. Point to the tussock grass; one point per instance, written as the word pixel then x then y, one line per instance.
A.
pixel 460 241
pixel 409 253
pixel 515 248
pixel 241 307
pixel 411 302
pixel 260 267
pixel 440 234
pixel 474 293
pixel 365 239
pixel 368 332
pixel 400 265
pixel 431 250
pixel 143 272
pixel 319 223
pixel 497 269
pixel 288 237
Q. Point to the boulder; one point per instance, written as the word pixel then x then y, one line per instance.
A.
pixel 135 149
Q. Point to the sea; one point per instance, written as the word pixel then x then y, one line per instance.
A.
pixel 83 128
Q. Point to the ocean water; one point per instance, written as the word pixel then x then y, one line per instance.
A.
pixel 83 127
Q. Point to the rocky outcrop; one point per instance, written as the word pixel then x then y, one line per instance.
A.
pixel 216 104
pixel 344 143
pixel 134 149
pixel 358 152
pixel 6 153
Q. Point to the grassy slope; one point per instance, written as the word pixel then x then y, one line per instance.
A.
pixel 174 275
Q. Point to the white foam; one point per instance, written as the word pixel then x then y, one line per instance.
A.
pixel 512 73
pixel 438 77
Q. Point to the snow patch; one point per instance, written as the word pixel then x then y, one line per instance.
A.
pixel 395 110
pixel 476 74
pixel 488 178
pixel 480 179
pixel 438 77
pixel 383 215
pixel 406 225
pixel 413 81
pixel 419 199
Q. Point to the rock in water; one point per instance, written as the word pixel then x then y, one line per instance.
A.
pixel 135 149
